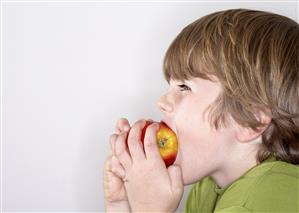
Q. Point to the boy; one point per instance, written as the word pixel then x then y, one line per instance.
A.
pixel 233 102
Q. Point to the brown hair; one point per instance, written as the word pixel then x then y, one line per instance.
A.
pixel 255 56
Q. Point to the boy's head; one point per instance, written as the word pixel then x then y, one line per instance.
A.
pixel 254 55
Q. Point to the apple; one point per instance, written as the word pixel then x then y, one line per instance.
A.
pixel 166 140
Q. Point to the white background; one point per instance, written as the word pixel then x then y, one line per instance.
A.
pixel 69 71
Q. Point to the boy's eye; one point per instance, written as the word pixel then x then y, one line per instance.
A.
pixel 184 87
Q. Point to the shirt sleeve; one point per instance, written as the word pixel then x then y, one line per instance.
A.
pixel 234 209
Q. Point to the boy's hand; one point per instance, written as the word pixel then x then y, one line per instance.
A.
pixel 150 186
pixel 115 193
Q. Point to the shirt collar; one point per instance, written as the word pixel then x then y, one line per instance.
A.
pixel 220 191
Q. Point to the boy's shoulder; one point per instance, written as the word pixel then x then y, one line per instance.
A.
pixel 270 186
pixel 272 167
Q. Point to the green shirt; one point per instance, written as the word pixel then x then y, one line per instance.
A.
pixel 272 186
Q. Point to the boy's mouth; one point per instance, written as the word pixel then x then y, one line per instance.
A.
pixel 170 125
pixel 173 128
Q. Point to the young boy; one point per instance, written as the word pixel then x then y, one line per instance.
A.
pixel 233 102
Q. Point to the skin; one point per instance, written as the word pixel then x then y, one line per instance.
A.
pixel 224 154
pixel 115 194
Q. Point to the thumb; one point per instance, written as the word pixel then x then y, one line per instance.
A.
pixel 176 177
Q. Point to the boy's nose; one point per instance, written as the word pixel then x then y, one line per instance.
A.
pixel 165 104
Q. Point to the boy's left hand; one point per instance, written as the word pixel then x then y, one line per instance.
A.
pixel 150 186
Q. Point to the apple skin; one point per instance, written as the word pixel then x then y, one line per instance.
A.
pixel 166 140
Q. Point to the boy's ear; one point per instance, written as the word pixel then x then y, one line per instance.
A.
pixel 246 134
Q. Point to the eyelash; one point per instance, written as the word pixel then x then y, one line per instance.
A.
pixel 184 87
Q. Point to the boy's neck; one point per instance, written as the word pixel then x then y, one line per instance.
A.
pixel 233 170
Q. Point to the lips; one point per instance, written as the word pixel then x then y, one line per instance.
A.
pixel 173 128
pixel 169 124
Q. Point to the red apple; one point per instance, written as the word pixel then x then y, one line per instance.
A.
pixel 166 140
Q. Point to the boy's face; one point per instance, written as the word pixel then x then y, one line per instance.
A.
pixel 202 149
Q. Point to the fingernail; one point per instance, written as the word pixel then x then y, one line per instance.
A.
pixel 156 126
pixel 126 128
pixel 143 122
pixel 113 159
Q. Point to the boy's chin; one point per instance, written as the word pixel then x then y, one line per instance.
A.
pixel 190 176
pixel 190 180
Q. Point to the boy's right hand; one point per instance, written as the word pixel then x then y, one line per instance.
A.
pixel 115 193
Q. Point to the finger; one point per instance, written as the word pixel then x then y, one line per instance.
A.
pixel 121 151
pixel 112 141
pixel 176 177
pixel 117 168
pixel 122 125
pixel 151 147
pixel 150 120
pixel 134 141
pixel 107 166
pixel 112 183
